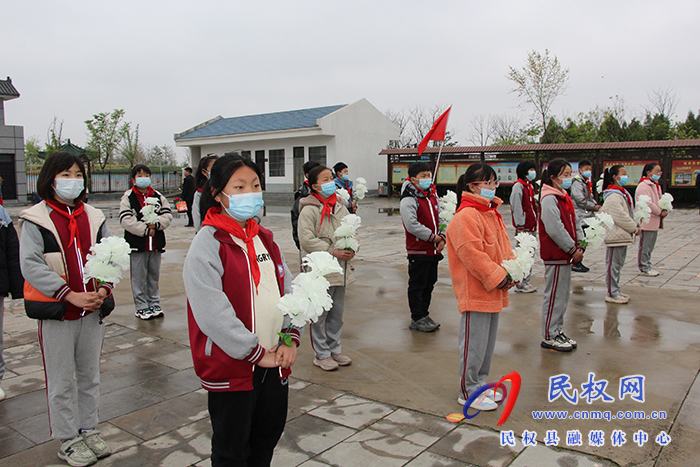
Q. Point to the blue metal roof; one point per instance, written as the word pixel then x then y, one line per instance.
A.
pixel 305 118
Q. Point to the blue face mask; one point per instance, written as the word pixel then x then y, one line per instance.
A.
pixel 143 182
pixel 624 179
pixel 587 174
pixel 488 193
pixel 328 189
pixel 424 184
pixel 531 175
pixel 245 205
pixel 655 178
pixel 566 183
pixel 344 177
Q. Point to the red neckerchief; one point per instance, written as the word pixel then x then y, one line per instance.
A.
pixel 658 187
pixel 62 209
pixel 142 196
pixel 328 205
pixel 347 185
pixel 227 224
pixel 628 197
pixel 199 190
pixel 467 202
pixel 569 204
pixel 590 185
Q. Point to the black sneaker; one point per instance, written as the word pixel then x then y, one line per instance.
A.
pixel 144 314
pixel 579 268
pixel 559 343
pixel 434 323
pixel 573 343
pixel 425 324
pixel 157 312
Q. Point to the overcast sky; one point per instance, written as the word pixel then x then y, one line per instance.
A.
pixel 171 65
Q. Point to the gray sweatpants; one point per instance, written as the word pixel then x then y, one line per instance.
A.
pixel 71 351
pixel 557 287
pixel 2 360
pixel 325 334
pixel 477 340
pixel 614 260
pixel 525 282
pixel 647 242
pixel 145 274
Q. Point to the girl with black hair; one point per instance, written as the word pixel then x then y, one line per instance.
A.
pixel 585 204
pixel 200 178
pixel 560 235
pixel 619 204
pixel 524 210
pixel 234 276
pixel 477 245
pixel 57 235
pixel 649 186
pixel 320 214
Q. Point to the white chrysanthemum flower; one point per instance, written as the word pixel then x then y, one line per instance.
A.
pixel 149 214
pixel 152 201
pixel 361 181
pixel 343 193
pixel 353 220
pixel 526 241
pixel 514 270
pixel 446 216
pixel 450 197
pixel 666 202
pixel 360 191
pixel 322 263
pixel 642 212
pixel 606 219
pixel 347 243
pixel 345 231
pixel 107 260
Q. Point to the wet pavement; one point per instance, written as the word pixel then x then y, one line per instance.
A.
pixel 388 408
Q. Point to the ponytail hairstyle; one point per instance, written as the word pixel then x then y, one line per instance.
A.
pixel 314 173
pixel 221 172
pixel 475 173
pixel 609 173
pixel 199 178
pixel 648 168
pixel 554 168
pixel 523 168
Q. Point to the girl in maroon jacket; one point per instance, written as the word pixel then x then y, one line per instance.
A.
pixel 523 208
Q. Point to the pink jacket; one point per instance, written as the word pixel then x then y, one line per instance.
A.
pixel 652 190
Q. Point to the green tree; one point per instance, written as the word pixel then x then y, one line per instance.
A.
pixel 539 83
pixel 32 151
pixel 690 129
pixel 106 133
pixel 610 130
pixel 54 137
pixel 657 127
pixel 131 149
pixel 163 156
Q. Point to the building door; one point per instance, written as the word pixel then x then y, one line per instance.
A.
pixel 7 172
pixel 298 153
pixel 260 161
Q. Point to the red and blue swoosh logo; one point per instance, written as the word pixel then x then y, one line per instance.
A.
pixel 509 399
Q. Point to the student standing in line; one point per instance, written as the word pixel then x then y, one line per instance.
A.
pixel 200 178
pixel 11 281
pixel 320 214
pixel 559 248
pixel 188 190
pixel 477 245
pixel 342 181
pixel 57 235
pixel 524 211
pixel 234 276
pixel 619 204
pixel 302 192
pixel 649 186
pixel 584 202
pixel 424 242
pixel 147 241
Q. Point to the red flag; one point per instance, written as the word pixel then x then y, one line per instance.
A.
pixel 437 131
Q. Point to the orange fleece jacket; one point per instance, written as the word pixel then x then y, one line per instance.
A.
pixel 477 244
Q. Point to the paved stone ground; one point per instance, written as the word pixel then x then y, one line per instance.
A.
pixel 388 408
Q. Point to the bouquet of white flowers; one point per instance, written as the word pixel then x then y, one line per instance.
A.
pixel 448 207
pixel 149 210
pixel 107 260
pixel 519 268
pixel 360 188
pixel 642 212
pixel 597 229
pixel 666 202
pixel 309 297
pixel 599 184
pixel 343 193
pixel 345 235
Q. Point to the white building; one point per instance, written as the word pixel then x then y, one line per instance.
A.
pixel 281 142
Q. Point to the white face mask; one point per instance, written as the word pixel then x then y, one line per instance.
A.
pixel 69 188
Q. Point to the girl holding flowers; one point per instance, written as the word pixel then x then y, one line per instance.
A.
pixel 320 215
pixel 619 204
pixel 560 236
pixel 57 235
pixel 234 276
pixel 649 186
pixel 477 244
pixel 524 210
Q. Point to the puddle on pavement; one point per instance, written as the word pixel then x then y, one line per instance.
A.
pixel 389 211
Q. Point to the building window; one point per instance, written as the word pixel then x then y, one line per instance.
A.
pixel 318 154
pixel 276 157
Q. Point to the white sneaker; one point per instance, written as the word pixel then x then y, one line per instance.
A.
pixel 76 453
pixel 526 289
pixel 620 300
pixel 495 396
pixel 650 273
pixel 481 403
pixel 2 395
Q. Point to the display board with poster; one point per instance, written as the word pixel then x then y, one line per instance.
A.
pixel 506 172
pixel 399 173
pixel 684 172
pixel 634 169
pixel 449 173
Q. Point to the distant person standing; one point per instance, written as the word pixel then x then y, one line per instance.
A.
pixel 524 211
pixel 302 192
pixel 342 180
pixel 200 178
pixel 188 190
pixel 649 186
pixel 585 204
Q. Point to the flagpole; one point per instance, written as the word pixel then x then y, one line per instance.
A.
pixel 437 164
